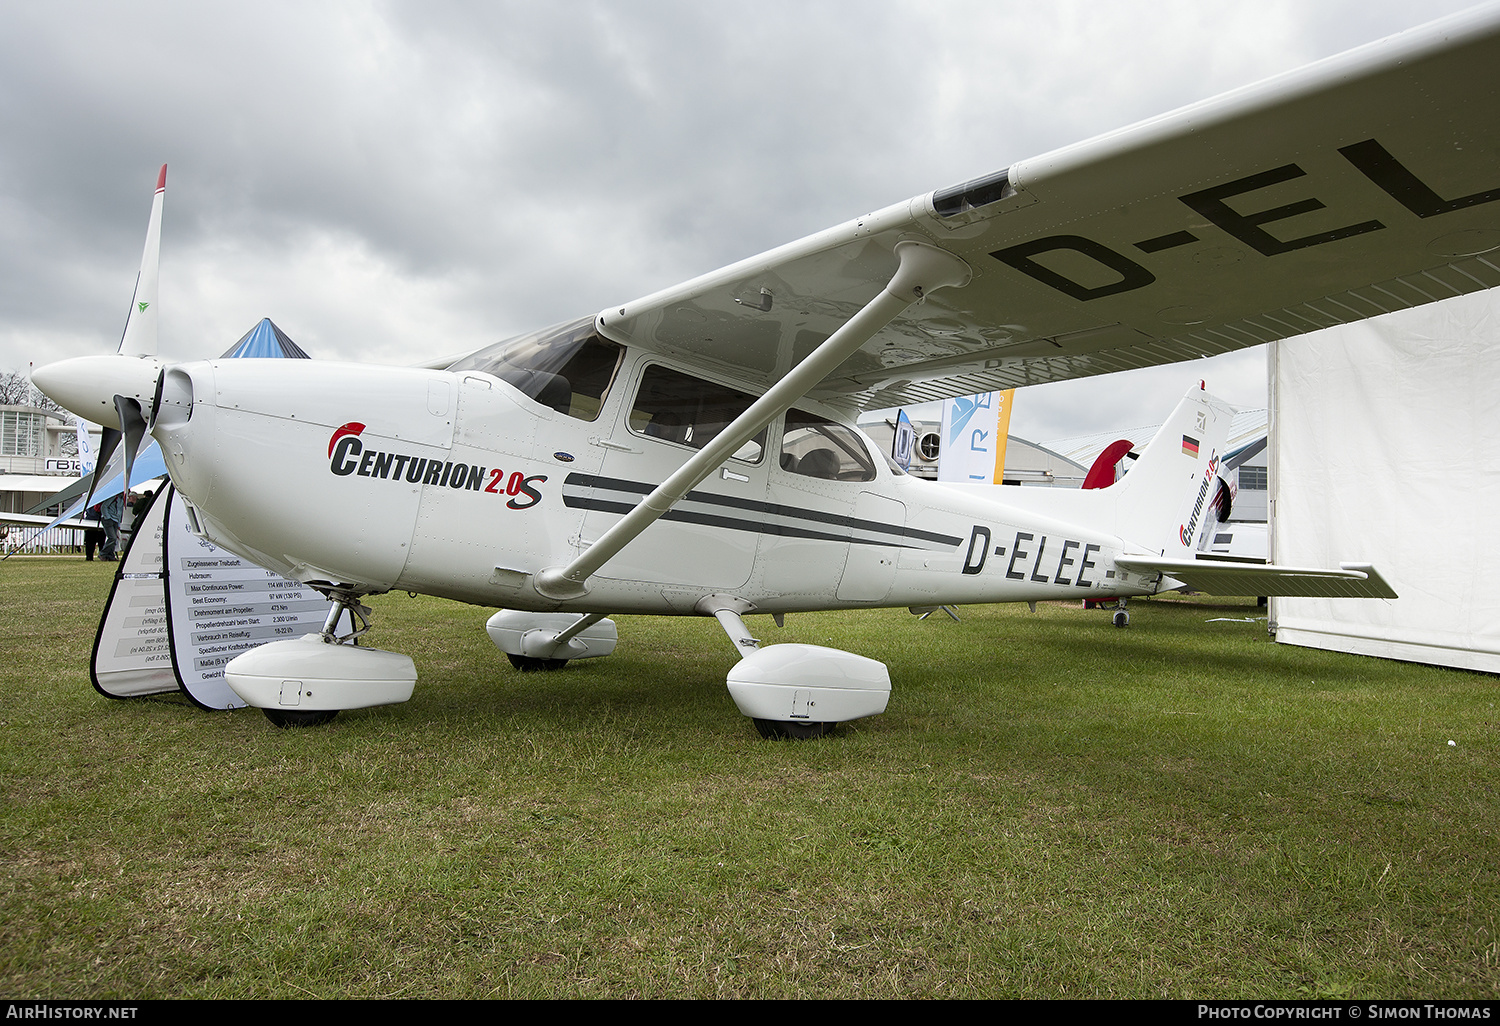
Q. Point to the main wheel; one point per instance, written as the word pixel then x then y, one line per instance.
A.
pixel 530 664
pixel 781 730
pixel 1121 618
pixel 284 718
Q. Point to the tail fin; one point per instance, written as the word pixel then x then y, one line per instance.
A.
pixel 1102 473
pixel 1163 502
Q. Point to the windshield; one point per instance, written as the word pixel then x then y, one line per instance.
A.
pixel 567 367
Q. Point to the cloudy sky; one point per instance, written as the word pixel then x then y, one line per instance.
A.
pixel 395 181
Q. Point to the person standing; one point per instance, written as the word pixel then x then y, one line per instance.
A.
pixel 110 511
pixel 93 537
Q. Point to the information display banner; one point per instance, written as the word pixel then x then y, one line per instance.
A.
pixel 182 607
pixel 220 605
pixel 133 649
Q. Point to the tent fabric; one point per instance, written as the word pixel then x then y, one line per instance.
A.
pixel 1386 449
pixel 265 340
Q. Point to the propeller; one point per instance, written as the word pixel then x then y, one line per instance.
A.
pixel 109 440
pixel 139 336
pixel 112 388
pixel 133 427
pixel 135 424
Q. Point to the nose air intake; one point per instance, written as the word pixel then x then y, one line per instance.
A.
pixel 173 406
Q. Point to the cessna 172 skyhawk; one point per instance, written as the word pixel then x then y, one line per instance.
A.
pixel 694 452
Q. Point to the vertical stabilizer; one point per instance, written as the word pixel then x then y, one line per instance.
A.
pixel 140 327
pixel 1164 500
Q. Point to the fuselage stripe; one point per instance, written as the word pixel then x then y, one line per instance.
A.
pixel 897 536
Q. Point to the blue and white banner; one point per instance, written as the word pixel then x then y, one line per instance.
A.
pixel 975 430
pixel 85 449
pixel 904 441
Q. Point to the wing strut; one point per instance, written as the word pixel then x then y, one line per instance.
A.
pixel 923 269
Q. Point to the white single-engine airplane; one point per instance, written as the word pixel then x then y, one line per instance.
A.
pixel 694 452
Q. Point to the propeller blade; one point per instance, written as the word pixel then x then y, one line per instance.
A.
pixel 109 439
pixel 133 426
pixel 139 338
pixel 151 414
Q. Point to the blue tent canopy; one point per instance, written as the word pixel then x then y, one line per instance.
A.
pixel 265 340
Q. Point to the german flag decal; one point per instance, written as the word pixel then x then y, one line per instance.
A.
pixel 1190 446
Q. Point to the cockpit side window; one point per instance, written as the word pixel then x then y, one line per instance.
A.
pixel 568 368
pixel 680 408
pixel 812 446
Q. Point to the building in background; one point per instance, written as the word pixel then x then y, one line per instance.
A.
pixel 36 456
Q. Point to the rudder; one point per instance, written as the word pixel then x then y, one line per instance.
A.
pixel 1163 502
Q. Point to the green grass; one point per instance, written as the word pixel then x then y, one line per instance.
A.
pixel 1050 808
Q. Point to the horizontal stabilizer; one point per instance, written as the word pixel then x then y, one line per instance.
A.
pixel 1352 580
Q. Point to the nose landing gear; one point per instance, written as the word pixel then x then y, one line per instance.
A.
pixel 304 682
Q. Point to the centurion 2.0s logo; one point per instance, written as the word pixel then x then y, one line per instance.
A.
pixel 1210 474
pixel 348 456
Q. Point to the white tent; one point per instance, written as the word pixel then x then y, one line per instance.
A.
pixel 1386 448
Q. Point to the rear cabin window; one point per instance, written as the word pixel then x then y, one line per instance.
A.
pixel 689 411
pixel 568 368
pixel 812 446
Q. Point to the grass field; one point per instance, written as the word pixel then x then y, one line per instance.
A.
pixel 1051 808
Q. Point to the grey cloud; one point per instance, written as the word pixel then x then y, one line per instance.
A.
pixel 357 171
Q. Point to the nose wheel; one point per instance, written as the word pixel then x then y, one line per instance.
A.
pixel 306 681
pixel 531 664
pixel 285 718
pixel 787 730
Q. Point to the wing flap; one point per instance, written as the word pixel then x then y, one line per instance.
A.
pixel 1352 580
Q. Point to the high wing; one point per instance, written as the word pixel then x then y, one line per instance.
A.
pixel 1358 185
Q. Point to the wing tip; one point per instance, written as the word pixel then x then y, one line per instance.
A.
pixel 161 179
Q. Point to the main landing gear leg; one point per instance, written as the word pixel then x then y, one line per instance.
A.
pixel 796 691
pixel 745 644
